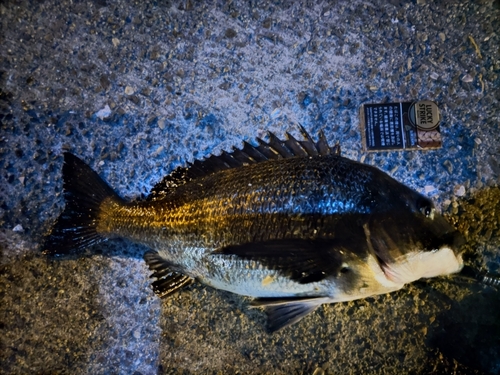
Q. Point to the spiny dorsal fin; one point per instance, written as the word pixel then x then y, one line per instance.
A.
pixel 274 149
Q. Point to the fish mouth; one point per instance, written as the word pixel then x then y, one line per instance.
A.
pixel 410 266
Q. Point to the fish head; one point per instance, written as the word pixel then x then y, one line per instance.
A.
pixel 409 247
pixel 401 248
pixel 392 195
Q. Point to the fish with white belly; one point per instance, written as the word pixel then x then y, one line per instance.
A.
pixel 290 223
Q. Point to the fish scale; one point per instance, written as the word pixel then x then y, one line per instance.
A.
pixel 289 223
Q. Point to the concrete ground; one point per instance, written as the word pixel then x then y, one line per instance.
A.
pixel 139 88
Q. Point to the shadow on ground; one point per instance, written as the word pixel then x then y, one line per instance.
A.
pixel 470 331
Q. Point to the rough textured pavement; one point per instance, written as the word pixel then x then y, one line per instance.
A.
pixel 139 88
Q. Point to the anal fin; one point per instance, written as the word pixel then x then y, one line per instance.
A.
pixel 282 312
pixel 168 281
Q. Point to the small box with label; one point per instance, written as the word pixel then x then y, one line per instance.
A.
pixel 400 126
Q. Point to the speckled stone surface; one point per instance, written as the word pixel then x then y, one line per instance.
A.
pixel 139 88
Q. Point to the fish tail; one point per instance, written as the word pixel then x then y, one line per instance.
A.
pixel 84 192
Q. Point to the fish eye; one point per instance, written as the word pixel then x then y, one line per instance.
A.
pixel 426 208
pixel 430 213
pixel 344 270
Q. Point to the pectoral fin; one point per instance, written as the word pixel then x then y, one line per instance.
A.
pixel 304 261
pixel 282 312
pixel 168 281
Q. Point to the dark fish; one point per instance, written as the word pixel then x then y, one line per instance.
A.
pixel 290 223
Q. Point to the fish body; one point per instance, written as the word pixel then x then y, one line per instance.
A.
pixel 290 223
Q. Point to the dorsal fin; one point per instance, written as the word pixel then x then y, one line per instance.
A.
pixel 274 149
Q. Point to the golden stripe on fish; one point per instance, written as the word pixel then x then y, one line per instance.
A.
pixel 289 223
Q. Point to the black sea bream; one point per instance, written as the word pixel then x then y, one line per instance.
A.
pixel 289 223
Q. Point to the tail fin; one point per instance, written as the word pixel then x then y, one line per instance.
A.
pixel 84 191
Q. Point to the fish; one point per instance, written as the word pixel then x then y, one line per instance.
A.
pixel 292 224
